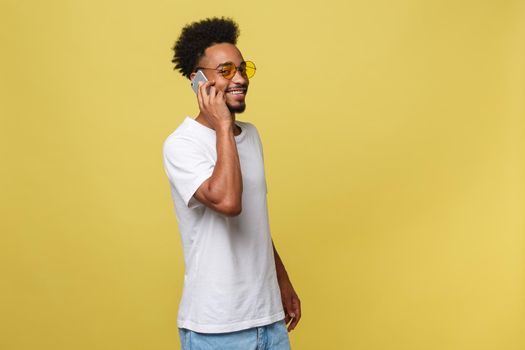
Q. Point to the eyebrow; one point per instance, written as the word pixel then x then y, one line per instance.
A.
pixel 229 62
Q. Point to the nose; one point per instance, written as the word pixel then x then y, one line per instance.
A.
pixel 238 78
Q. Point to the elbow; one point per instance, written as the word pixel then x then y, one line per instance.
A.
pixel 231 209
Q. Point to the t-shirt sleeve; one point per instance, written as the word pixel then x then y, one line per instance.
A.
pixel 187 166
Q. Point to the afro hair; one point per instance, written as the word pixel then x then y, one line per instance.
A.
pixel 197 37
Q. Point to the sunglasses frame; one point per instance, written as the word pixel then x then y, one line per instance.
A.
pixel 235 69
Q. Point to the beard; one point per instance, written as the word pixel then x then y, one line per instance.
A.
pixel 239 109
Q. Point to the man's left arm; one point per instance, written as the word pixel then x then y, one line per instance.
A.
pixel 291 302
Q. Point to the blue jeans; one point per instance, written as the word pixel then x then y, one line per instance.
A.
pixel 270 337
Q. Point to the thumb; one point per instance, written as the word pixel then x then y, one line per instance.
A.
pixel 289 309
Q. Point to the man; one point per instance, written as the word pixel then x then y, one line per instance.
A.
pixel 237 294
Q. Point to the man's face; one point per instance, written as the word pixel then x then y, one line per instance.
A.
pixel 236 88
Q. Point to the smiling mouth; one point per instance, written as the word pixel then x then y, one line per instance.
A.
pixel 236 91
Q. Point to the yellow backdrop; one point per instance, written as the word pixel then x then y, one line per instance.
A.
pixel 393 134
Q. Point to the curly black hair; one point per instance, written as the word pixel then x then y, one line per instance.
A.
pixel 197 37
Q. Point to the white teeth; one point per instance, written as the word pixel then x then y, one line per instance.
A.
pixel 236 92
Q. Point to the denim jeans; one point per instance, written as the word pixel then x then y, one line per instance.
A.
pixel 270 337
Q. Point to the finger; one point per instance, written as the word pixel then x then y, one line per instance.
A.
pixel 289 325
pixel 288 308
pixel 209 84
pixel 289 316
pixel 203 87
pixel 287 319
pixel 292 325
pixel 297 311
pixel 221 95
pixel 297 307
pixel 212 92
pixel 199 97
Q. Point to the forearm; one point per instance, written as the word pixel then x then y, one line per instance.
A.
pixel 279 266
pixel 225 184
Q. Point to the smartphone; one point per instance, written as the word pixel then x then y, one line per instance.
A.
pixel 195 82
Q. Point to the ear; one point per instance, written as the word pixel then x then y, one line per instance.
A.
pixel 192 75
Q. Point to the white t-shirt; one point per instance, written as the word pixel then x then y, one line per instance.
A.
pixel 230 282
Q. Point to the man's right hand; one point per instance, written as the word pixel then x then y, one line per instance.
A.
pixel 213 106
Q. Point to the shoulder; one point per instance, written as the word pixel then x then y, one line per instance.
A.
pixel 184 137
pixel 252 135
pixel 251 129
pixel 247 125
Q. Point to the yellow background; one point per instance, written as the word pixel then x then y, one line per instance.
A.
pixel 393 134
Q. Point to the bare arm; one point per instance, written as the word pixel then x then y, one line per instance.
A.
pixel 222 191
pixel 279 266
pixel 290 300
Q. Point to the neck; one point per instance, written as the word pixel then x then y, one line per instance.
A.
pixel 202 119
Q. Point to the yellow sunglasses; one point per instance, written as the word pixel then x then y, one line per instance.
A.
pixel 228 69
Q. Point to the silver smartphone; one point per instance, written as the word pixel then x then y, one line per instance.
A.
pixel 195 82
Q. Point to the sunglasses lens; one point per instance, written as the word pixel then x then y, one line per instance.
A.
pixel 228 70
pixel 249 69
